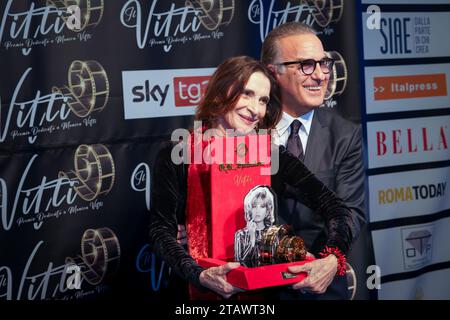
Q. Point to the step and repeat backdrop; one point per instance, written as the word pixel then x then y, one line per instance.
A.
pixel 405 58
pixel 86 104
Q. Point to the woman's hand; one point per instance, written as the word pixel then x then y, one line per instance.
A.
pixel 321 273
pixel 215 278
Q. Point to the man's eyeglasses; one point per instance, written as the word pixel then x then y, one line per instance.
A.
pixel 309 65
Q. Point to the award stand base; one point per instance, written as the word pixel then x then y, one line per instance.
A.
pixel 259 277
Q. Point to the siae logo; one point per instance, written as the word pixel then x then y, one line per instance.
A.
pixel 149 93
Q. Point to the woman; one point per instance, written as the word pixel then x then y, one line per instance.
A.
pixel 259 214
pixel 242 95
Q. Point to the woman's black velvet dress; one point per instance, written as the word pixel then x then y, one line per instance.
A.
pixel 168 204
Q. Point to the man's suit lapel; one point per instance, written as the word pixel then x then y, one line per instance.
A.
pixel 315 150
pixel 316 147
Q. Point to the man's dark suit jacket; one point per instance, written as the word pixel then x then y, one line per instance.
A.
pixel 334 155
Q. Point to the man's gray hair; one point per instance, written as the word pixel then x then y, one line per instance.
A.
pixel 269 49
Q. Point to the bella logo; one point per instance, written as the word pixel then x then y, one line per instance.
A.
pixel 411 140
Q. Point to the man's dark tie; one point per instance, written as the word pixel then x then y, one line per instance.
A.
pixel 294 144
pixel 288 204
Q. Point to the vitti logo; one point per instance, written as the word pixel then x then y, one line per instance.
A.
pixel 35 25
pixel 140 181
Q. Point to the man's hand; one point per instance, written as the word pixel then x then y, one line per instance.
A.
pixel 321 273
pixel 181 235
pixel 215 278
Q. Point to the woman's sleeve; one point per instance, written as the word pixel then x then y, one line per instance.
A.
pixel 165 199
pixel 299 182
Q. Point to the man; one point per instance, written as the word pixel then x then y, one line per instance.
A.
pixel 329 145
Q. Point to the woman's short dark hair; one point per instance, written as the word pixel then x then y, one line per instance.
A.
pixel 228 83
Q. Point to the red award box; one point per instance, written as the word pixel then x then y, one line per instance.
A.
pixel 230 183
pixel 259 277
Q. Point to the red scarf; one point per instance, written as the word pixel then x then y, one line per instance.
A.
pixel 198 201
pixel 198 205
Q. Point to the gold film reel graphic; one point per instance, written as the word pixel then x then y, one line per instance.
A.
pixel 100 255
pixel 213 13
pixel 94 172
pixel 91 11
pixel 338 76
pixel 326 12
pixel 88 88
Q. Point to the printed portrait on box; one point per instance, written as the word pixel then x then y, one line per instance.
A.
pixel 259 210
